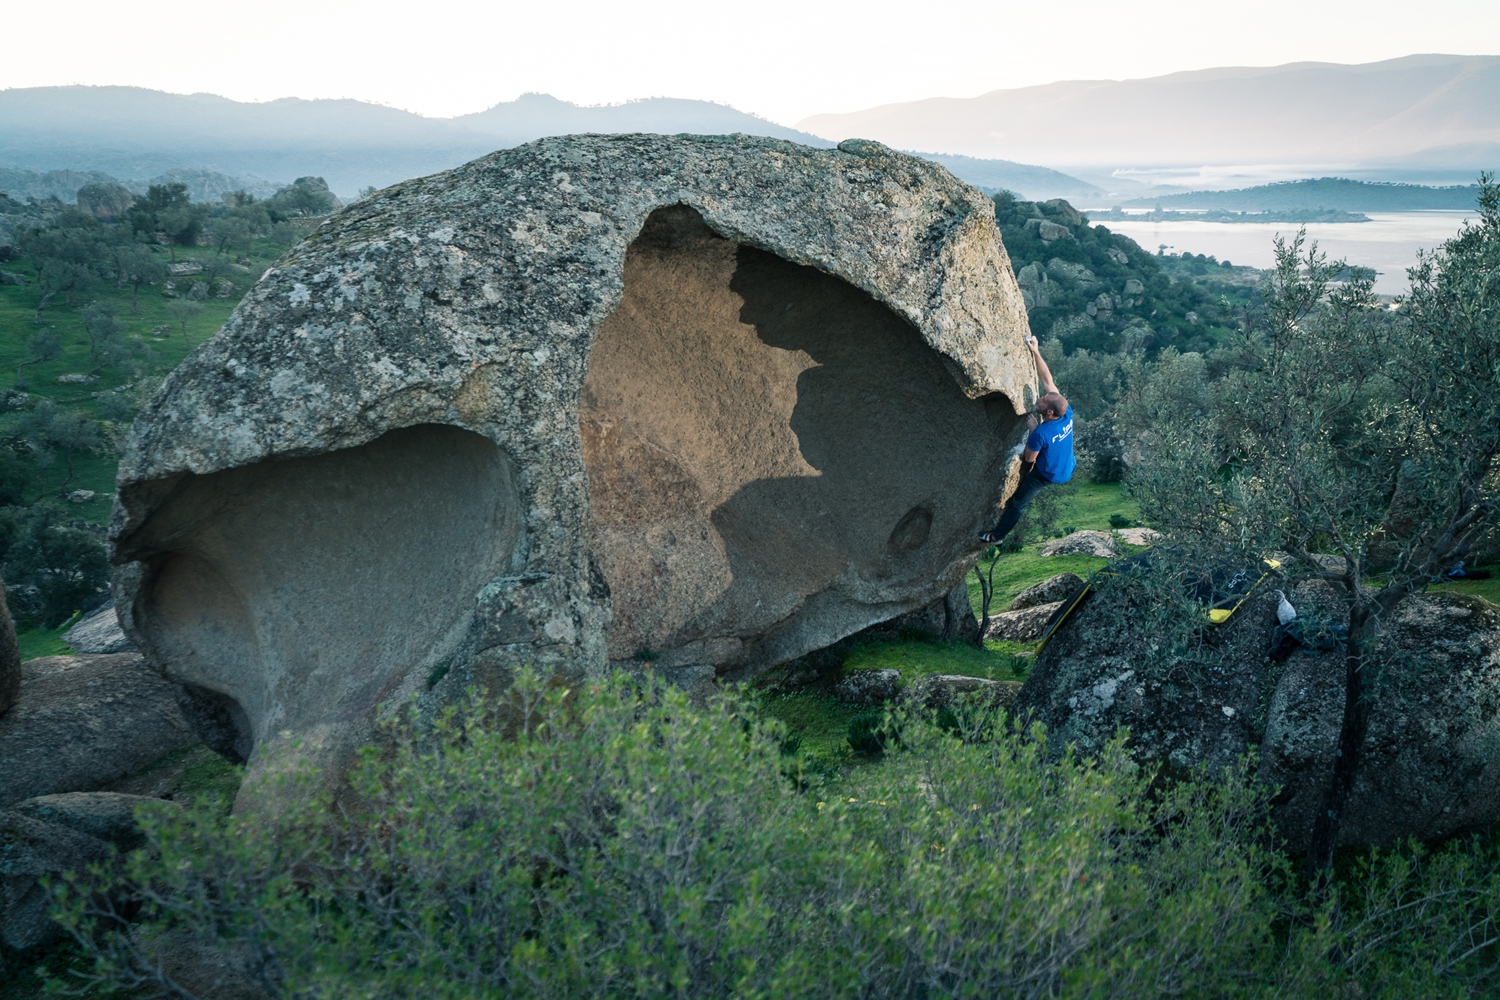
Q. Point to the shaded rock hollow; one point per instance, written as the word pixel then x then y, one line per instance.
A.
pixel 721 400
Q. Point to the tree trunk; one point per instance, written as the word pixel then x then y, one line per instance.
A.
pixel 37 319
pixel 986 591
pixel 1356 726
pixel 67 458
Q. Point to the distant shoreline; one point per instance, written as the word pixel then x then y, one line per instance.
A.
pixel 1221 215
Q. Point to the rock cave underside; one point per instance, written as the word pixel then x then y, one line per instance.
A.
pixel 775 460
pixel 705 402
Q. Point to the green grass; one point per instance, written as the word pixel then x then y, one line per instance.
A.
pixel 915 659
pixel 17 306
pixel 1088 506
pixel 44 641
pixel 1488 589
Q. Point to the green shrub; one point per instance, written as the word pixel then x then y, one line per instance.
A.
pixel 871 732
pixel 622 844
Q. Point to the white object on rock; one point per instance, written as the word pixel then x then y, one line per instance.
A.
pixel 81 496
pixel 1285 613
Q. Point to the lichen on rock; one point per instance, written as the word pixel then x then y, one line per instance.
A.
pixel 726 399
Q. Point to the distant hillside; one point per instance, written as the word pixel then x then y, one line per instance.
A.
pixel 1036 183
pixel 1313 113
pixel 1326 193
pixel 131 132
pixel 202 185
pixel 53 133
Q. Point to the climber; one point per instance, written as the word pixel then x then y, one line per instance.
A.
pixel 1049 449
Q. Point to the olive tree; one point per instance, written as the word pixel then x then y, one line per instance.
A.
pixel 1337 427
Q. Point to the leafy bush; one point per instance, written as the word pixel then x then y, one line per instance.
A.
pixel 616 842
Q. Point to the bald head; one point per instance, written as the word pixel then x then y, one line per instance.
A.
pixel 1052 405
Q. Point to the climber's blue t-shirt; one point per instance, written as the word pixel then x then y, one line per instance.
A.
pixel 1053 443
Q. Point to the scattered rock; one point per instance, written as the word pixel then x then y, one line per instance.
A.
pixel 107 816
pixel 1084 543
pixel 1117 255
pixel 76 378
pixel 223 288
pixel 199 290
pixel 868 688
pixel 11 278
pixel 1024 625
pixel 1431 762
pixel 10 656
pixel 165 330
pixel 501 346
pixel 81 496
pixel 1139 536
pixel 1133 287
pixel 184 268
pixel 1047 229
pixel 99 632
pixel 1330 564
pixel 31 849
pixel 82 722
pixel 1054 588
pixel 934 692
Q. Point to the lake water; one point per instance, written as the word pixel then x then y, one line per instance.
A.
pixel 1388 242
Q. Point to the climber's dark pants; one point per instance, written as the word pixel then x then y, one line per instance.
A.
pixel 1026 490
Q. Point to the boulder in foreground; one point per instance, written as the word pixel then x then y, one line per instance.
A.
pixel 707 401
pixel 1431 764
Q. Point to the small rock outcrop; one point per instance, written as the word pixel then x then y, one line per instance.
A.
pixel 107 816
pixel 1025 625
pixel 723 400
pixel 83 722
pixel 1431 762
pixel 1101 544
pixel 868 688
pixel 99 632
pixel 1049 591
pixel 935 692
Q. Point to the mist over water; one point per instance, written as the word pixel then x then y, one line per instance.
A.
pixel 1388 242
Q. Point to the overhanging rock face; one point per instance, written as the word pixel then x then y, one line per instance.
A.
pixel 703 401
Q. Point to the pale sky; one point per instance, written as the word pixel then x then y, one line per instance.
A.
pixel 781 59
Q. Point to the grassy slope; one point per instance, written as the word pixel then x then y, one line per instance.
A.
pixel 97 472
pixel 18 305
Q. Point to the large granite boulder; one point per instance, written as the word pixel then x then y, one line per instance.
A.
pixel 719 400
pixel 99 632
pixel 1431 762
pixel 84 722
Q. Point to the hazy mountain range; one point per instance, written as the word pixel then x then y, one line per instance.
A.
pixel 1419 118
pixel 1427 118
pixel 135 135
